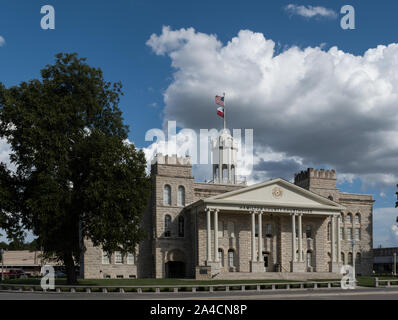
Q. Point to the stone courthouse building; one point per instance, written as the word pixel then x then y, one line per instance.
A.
pixel 227 230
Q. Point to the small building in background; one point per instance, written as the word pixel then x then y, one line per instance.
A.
pixel 28 261
pixel 383 260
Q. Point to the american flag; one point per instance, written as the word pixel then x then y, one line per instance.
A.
pixel 220 101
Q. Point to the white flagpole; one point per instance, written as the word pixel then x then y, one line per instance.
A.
pixel 225 110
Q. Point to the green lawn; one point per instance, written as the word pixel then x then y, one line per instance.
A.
pixel 369 281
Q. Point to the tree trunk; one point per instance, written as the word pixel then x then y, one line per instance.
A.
pixel 70 269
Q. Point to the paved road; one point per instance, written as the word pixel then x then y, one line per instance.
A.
pixel 322 294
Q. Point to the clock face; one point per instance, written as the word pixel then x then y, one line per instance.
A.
pixel 277 192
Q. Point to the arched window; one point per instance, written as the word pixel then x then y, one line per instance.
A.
pixel 357 218
pixel 350 258
pixel 341 217
pixel 349 234
pixel 342 258
pixel 308 231
pixel 181 196
pixel 330 198
pixel 167 195
pixel 357 234
pixel 181 226
pixel 358 258
pixel 231 229
pixel 231 258
pixel 221 257
pixel 216 174
pixel 225 175
pixel 167 226
pixel 348 218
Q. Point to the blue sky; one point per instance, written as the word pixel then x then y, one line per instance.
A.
pixel 112 35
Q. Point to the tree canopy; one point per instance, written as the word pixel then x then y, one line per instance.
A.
pixel 76 176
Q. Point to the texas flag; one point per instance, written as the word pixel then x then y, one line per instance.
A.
pixel 220 112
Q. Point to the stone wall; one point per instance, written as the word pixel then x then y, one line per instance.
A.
pixel 95 269
pixel 323 182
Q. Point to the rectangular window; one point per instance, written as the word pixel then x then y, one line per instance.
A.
pixel 230 258
pixel 341 234
pixel 106 258
pixel 118 257
pixel 256 230
pixel 130 258
pixel 220 229
pixel 308 232
pixel 181 228
pixel 231 229
pixel 268 230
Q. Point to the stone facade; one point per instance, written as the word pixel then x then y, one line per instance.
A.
pixel 323 182
pixel 177 230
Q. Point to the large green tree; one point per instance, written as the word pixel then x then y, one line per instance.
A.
pixel 76 174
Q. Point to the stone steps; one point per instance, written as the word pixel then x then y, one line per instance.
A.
pixel 277 276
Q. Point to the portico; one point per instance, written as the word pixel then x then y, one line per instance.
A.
pixel 278 205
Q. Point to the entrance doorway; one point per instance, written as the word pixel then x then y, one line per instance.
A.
pixel 175 269
pixel 266 260
pixel 175 266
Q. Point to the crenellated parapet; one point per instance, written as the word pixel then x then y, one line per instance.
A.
pixel 171 159
pixel 314 173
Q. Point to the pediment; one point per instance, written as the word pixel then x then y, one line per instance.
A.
pixel 276 192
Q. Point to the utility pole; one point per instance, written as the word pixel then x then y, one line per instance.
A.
pixel 395 254
pixel 396 203
pixel 2 264
pixel 353 261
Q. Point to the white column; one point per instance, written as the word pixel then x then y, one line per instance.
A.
pixel 293 237
pixel 216 235
pixel 300 238
pixel 338 240
pixel 260 237
pixel 253 236
pixel 332 238
pixel 220 161
pixel 208 234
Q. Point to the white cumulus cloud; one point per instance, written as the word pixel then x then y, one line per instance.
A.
pixel 2 41
pixel 385 231
pixel 395 231
pixel 310 11
pixel 315 107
